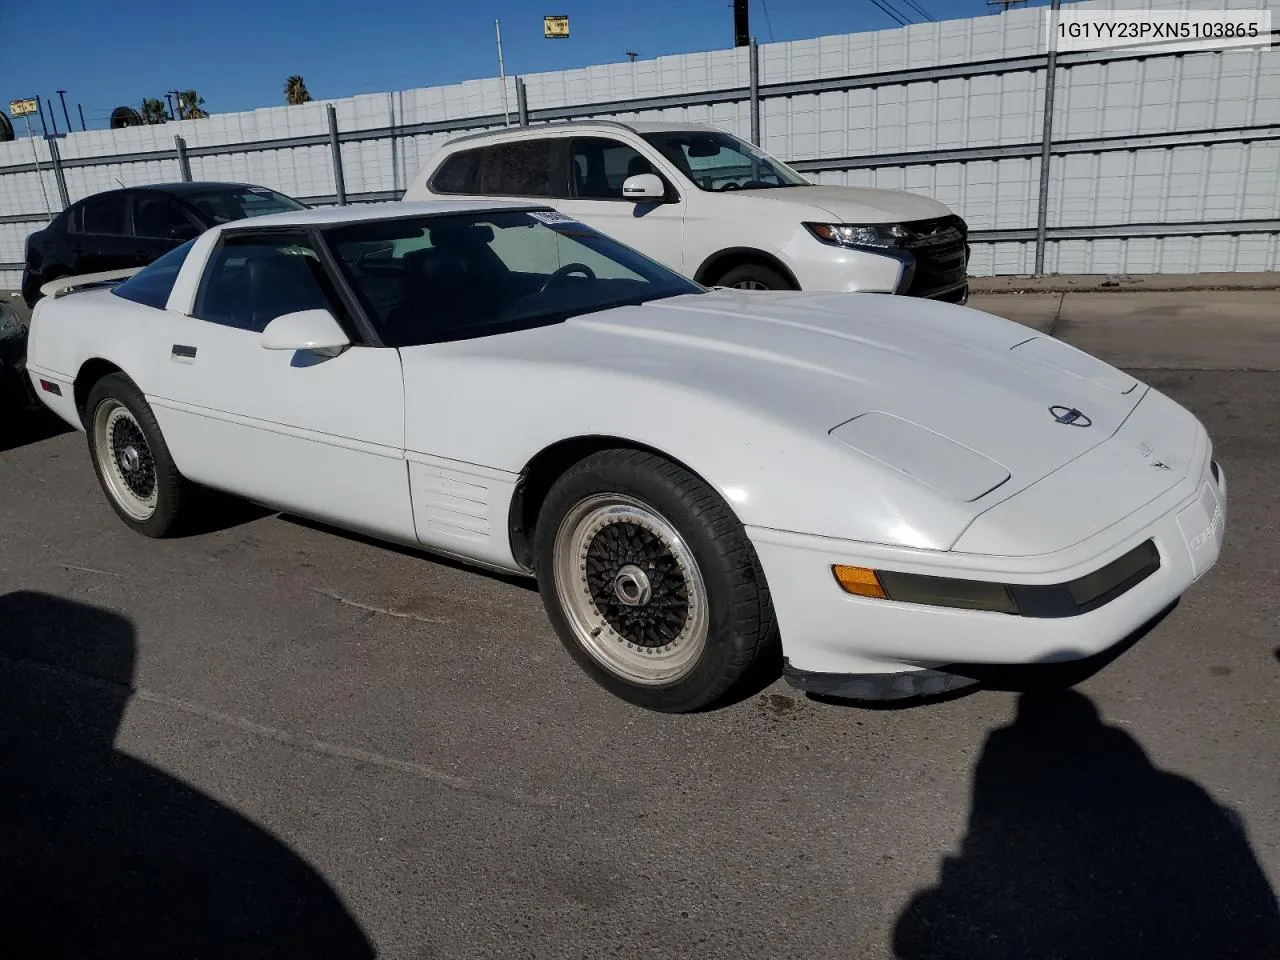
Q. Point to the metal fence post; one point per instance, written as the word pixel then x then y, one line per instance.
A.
pixel 522 102
pixel 1046 139
pixel 58 175
pixel 184 162
pixel 339 183
pixel 754 54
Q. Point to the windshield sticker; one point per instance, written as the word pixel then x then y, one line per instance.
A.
pixel 551 216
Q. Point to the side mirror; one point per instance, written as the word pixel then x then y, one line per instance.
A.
pixel 184 231
pixel 644 186
pixel 313 330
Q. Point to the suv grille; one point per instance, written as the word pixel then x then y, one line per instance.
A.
pixel 941 259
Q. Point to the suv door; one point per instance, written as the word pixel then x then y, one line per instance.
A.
pixel 597 168
pixel 160 223
pixel 98 235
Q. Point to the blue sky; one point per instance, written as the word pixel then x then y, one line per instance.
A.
pixel 237 53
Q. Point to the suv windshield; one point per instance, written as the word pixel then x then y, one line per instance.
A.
pixel 452 277
pixel 718 161
pixel 240 203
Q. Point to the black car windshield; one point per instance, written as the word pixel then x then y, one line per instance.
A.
pixel 717 161
pixel 239 203
pixel 455 276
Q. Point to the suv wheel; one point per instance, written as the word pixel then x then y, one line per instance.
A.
pixel 754 276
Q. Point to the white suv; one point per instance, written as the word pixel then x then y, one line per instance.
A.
pixel 713 207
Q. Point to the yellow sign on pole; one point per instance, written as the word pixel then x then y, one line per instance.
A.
pixel 22 108
pixel 555 28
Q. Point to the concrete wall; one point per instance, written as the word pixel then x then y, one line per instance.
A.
pixel 848 116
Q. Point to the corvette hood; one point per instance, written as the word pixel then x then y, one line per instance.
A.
pixel 969 404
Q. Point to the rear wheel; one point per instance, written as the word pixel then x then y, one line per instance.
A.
pixel 650 581
pixel 131 459
pixel 754 276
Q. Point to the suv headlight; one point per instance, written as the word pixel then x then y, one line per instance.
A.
pixel 859 235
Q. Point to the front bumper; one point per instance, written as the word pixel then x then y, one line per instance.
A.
pixel 878 649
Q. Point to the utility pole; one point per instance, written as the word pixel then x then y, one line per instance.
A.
pixel 62 95
pixel 741 28
pixel 80 108
pixel 35 155
pixel 1046 139
pixel 169 96
pixel 631 55
pixel 502 74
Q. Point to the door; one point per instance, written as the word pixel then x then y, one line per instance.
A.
pixel 159 225
pixel 598 166
pixel 321 436
pixel 98 236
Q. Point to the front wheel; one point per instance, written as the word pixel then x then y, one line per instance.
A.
pixel 131 459
pixel 754 276
pixel 650 581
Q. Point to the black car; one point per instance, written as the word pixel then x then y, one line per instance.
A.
pixel 136 225
pixel 15 390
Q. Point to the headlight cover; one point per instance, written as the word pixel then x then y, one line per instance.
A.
pixel 859 235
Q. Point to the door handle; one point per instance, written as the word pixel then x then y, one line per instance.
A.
pixel 183 354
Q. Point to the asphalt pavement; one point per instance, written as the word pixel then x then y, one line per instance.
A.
pixel 273 739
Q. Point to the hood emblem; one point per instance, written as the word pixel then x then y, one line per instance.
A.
pixel 1069 416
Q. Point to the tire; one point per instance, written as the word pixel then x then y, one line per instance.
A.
pixel 636 534
pixel 131 459
pixel 754 276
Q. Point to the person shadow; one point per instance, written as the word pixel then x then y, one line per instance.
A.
pixel 104 855
pixel 1078 848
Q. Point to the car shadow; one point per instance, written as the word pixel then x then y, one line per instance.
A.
pixel 214 511
pixel 104 855
pixel 1078 848
pixel 525 583
pixel 1057 671
pixel 23 428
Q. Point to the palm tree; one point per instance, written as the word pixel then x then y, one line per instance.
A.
pixel 295 91
pixel 153 111
pixel 189 104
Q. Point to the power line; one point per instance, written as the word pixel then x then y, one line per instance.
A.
pixel 767 21
pixel 920 10
pixel 890 12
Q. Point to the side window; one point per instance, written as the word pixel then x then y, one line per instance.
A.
pixel 525 168
pixel 253 278
pixel 599 166
pixel 156 216
pixel 458 173
pixel 104 215
pixel 153 284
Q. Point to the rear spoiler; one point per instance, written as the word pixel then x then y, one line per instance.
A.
pixel 64 285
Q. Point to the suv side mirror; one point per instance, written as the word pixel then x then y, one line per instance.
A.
pixel 644 186
pixel 313 330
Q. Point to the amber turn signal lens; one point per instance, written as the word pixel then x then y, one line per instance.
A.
pixel 859 581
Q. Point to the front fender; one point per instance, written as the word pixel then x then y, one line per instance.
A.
pixel 773 473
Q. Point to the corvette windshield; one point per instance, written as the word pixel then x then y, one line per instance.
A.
pixel 436 278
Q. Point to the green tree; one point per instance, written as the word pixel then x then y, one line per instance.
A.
pixel 153 111
pixel 295 91
pixel 189 104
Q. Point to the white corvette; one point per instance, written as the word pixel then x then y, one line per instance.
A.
pixel 890 488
